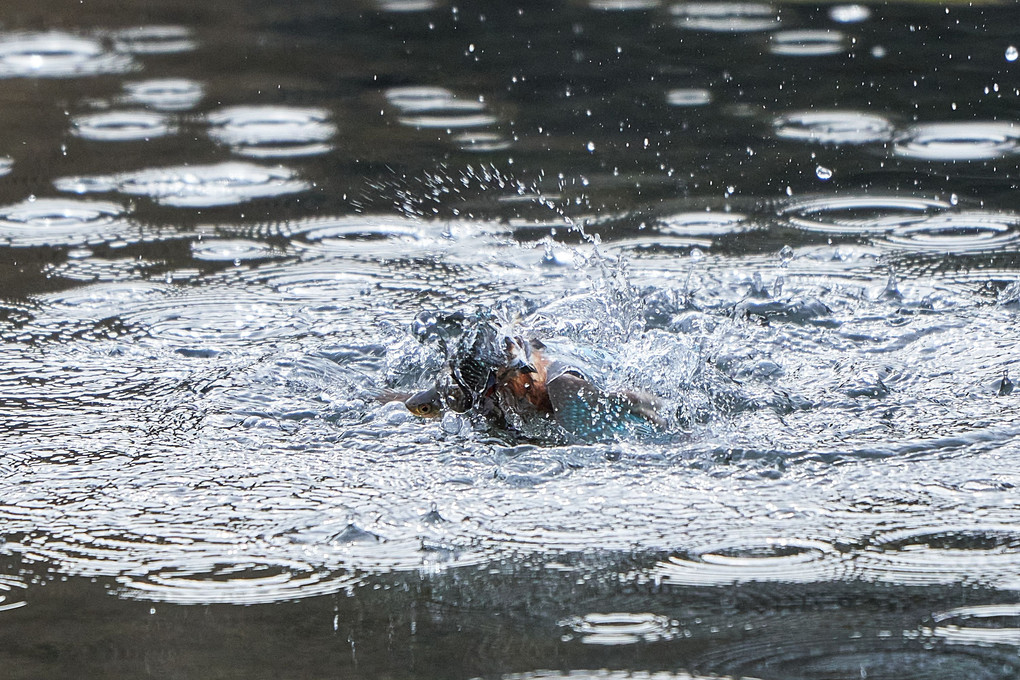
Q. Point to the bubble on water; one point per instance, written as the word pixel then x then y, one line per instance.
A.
pixel 272 131
pixel 121 126
pixel 165 94
pixel 697 255
pixel 686 97
pixel 154 40
pixel 726 17
pixel 57 55
pixel 194 186
pixel 833 127
pixel 823 173
pixel 1012 53
pixel 849 14
pixel 959 141
pixel 807 43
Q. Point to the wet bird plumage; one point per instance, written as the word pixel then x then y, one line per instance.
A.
pixel 495 374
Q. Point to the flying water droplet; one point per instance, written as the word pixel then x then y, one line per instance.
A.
pixel 1012 53
pixel 849 14
pixel 823 173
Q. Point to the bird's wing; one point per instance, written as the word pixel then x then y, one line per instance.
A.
pixel 583 410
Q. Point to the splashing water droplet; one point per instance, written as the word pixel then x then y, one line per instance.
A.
pixel 1012 53
pixel 785 255
pixel 849 14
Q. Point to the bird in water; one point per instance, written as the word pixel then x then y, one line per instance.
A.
pixel 508 379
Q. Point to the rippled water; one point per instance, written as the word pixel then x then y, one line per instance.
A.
pixel 796 224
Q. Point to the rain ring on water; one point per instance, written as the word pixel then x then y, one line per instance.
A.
pixel 813 645
pixel 164 94
pixel 620 628
pixel 57 55
pixel 154 40
pixel 688 97
pixel 12 593
pixel 778 560
pixel 61 222
pixel 725 17
pixel 959 141
pixel 833 127
pixel 990 624
pixel 863 214
pixel 207 580
pixel 437 107
pixel 807 43
pixel 194 186
pixel 272 131
pixel 232 250
pixel 980 555
pixel 956 232
pixel 623 5
pixel 121 126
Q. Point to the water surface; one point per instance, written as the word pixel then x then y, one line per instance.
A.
pixel 797 224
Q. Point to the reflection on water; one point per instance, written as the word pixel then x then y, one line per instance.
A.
pixel 219 224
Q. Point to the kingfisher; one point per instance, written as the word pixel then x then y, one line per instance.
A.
pixel 506 378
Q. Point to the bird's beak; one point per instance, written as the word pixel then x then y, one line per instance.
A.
pixel 519 364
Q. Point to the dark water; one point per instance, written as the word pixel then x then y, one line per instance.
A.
pixel 798 224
